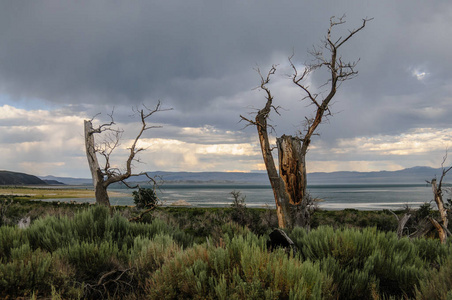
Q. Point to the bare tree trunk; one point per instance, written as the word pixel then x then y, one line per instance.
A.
pixel 292 170
pixel 277 184
pixel 100 190
pixel 438 197
pixel 441 232
pixel 439 202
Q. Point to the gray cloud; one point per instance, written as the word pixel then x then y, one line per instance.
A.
pixel 198 57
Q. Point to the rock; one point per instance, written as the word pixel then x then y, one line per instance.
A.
pixel 24 222
pixel 279 239
pixel 180 203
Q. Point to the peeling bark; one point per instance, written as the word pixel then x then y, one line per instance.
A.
pixel 401 224
pixel 438 197
pixel 441 232
pixel 276 182
pixel 292 168
pixel 100 190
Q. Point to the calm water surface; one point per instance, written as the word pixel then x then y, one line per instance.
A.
pixel 333 197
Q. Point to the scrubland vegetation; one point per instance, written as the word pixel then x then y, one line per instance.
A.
pixel 81 251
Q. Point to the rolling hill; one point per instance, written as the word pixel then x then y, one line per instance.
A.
pixel 15 178
pixel 415 175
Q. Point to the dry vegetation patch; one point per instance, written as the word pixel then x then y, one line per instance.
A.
pixel 52 192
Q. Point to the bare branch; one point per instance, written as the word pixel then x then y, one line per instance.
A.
pixel 353 32
pixel 242 118
pixel 339 72
pixel 106 126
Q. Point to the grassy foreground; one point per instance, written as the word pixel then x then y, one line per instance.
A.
pixel 85 252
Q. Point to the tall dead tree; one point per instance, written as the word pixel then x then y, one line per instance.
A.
pixel 289 185
pixel 105 175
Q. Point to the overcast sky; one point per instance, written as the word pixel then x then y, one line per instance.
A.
pixel 62 62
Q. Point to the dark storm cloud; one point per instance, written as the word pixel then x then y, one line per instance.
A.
pixel 198 57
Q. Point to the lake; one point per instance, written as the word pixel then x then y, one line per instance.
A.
pixel 332 197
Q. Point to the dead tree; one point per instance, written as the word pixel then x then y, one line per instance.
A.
pixel 105 175
pixel 289 185
pixel 401 222
pixel 441 225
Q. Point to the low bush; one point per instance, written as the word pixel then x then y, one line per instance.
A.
pixel 145 198
pixel 95 254
pixel 10 238
pixel 241 269
pixel 88 246
pixel 438 285
pixel 147 255
pixel 368 262
pixel 29 271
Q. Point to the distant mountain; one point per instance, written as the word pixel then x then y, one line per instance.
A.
pixel 206 177
pixel 67 180
pixel 180 177
pixel 53 182
pixel 410 175
pixel 15 178
pixel 416 175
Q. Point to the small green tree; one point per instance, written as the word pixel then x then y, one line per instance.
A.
pixel 239 211
pixel 145 198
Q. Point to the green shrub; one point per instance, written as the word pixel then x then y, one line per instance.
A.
pixel 242 269
pixel 95 225
pixel 145 198
pixel 92 247
pixel 27 271
pixel 10 237
pixel 147 255
pixel 50 233
pixel 90 259
pixel 82 257
pixel 364 263
pixel 438 284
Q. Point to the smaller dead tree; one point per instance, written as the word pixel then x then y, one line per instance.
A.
pixel 289 184
pixel 105 175
pixel 437 188
pixel 401 222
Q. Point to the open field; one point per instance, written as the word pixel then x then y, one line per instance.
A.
pixel 42 193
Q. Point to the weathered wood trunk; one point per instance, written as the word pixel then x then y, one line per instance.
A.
pixel 101 194
pixel 401 224
pixel 292 171
pixel 100 189
pixel 276 182
pixel 289 185
pixel 438 197
pixel 292 168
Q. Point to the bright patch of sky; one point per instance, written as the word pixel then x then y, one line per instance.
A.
pixel 419 74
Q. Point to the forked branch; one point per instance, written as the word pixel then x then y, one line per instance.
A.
pixel 339 72
pixel 145 113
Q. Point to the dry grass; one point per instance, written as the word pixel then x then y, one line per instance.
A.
pixel 39 193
